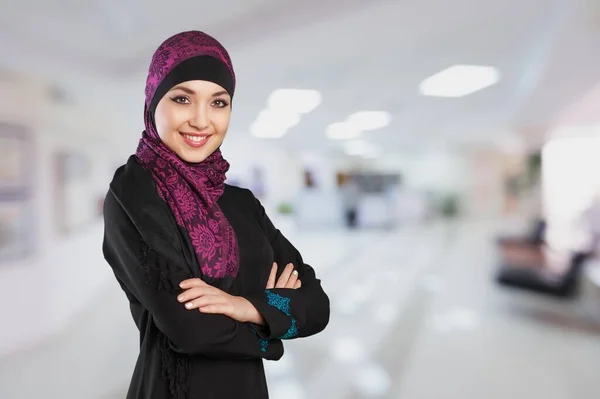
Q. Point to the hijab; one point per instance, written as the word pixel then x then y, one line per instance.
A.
pixel 191 190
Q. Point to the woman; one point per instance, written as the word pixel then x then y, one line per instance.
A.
pixel 213 286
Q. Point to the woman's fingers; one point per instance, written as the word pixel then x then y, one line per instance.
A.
pixel 285 276
pixel 192 282
pixel 292 280
pixel 219 308
pixel 207 300
pixel 272 277
pixel 289 278
pixel 196 292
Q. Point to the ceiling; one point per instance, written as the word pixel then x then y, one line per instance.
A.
pixel 361 55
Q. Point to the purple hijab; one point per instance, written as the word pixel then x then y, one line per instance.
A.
pixel 190 190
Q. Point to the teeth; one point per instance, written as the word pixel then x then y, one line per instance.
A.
pixel 195 139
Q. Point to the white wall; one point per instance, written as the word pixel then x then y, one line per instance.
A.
pixel 472 172
pixel 570 187
pixel 436 169
pixel 42 293
pixel 281 167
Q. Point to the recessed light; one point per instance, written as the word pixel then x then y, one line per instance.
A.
pixel 362 148
pixel 277 119
pixel 355 147
pixel 273 124
pixel 342 131
pixel 266 131
pixel 369 120
pixel 297 101
pixel 459 80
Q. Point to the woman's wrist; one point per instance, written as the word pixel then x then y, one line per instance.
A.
pixel 257 318
pixel 252 314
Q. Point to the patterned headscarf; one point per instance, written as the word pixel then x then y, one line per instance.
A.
pixel 191 190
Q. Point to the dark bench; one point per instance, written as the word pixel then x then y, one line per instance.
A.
pixel 540 279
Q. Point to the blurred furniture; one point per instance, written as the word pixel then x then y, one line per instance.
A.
pixel 525 250
pixel 540 279
pixel 533 238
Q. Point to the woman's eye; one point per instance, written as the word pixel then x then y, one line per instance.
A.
pixel 181 100
pixel 221 103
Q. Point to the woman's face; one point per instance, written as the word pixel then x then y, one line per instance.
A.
pixel 192 119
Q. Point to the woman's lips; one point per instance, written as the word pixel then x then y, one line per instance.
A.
pixel 195 140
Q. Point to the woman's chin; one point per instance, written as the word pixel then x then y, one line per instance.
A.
pixel 194 156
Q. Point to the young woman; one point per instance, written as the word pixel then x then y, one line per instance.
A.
pixel 213 286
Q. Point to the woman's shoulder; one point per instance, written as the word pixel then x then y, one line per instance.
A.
pixel 130 175
pixel 241 198
pixel 240 195
pixel 242 201
pixel 133 182
pixel 132 200
pixel 132 187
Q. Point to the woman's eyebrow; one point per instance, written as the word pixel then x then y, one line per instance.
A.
pixel 183 88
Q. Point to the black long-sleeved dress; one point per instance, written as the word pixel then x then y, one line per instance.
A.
pixel 188 354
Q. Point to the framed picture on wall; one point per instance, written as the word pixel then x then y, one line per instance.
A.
pixel 16 229
pixel 15 149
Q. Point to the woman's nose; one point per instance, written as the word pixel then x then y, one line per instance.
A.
pixel 200 119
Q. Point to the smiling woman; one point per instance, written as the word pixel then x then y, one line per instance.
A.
pixel 212 285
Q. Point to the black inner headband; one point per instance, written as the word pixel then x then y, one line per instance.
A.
pixel 202 67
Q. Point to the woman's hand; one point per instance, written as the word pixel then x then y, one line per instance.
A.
pixel 288 278
pixel 208 299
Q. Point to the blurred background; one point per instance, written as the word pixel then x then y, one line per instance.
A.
pixel 437 163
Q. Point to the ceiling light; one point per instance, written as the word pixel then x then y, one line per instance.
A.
pixel 277 119
pixel 459 80
pixel 294 100
pixel 267 131
pixel 362 148
pixel 370 120
pixel 372 152
pixel 355 147
pixel 342 131
pixel 273 124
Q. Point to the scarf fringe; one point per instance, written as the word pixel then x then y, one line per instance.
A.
pixel 145 250
pixel 175 370
pixel 157 267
